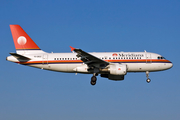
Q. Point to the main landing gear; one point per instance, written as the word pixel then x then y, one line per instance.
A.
pixel 147 75
pixel 94 79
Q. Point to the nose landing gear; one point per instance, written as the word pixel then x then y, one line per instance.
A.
pixel 148 80
pixel 147 75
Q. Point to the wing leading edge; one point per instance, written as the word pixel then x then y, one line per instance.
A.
pixel 21 57
pixel 90 60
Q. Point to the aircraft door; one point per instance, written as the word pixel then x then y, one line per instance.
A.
pixel 148 58
pixel 45 59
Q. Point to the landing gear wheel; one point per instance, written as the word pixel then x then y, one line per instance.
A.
pixel 148 80
pixel 93 80
pixel 147 75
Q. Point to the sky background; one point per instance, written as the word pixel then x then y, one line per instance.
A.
pixel 28 93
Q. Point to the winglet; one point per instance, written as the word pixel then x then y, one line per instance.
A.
pixel 72 49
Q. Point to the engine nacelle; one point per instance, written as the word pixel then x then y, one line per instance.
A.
pixel 117 69
pixel 113 77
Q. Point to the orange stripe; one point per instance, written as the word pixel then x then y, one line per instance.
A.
pixel 79 61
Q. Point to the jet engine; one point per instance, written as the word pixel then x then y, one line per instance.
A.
pixel 117 69
pixel 116 72
pixel 113 77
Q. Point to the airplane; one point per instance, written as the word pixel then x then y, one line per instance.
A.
pixel 111 65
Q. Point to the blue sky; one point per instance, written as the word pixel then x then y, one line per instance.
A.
pixel 95 26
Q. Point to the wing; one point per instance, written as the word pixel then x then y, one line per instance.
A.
pixel 90 60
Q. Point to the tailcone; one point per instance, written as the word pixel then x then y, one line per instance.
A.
pixel 11 59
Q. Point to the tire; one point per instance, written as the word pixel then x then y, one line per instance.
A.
pixel 93 80
pixel 148 80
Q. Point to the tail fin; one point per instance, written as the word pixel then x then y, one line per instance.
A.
pixel 23 43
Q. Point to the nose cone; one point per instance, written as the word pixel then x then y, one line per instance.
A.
pixel 169 65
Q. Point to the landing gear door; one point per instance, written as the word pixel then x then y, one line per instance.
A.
pixel 45 59
pixel 148 58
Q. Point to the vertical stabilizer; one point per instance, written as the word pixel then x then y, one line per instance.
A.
pixel 23 43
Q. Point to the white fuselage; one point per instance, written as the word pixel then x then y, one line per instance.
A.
pixel 69 62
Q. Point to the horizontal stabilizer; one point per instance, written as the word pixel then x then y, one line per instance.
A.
pixel 18 56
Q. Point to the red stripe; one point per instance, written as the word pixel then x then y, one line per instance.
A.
pixel 79 61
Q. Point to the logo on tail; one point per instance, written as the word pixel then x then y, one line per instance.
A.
pixel 21 40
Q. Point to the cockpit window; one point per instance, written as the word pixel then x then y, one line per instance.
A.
pixel 160 57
